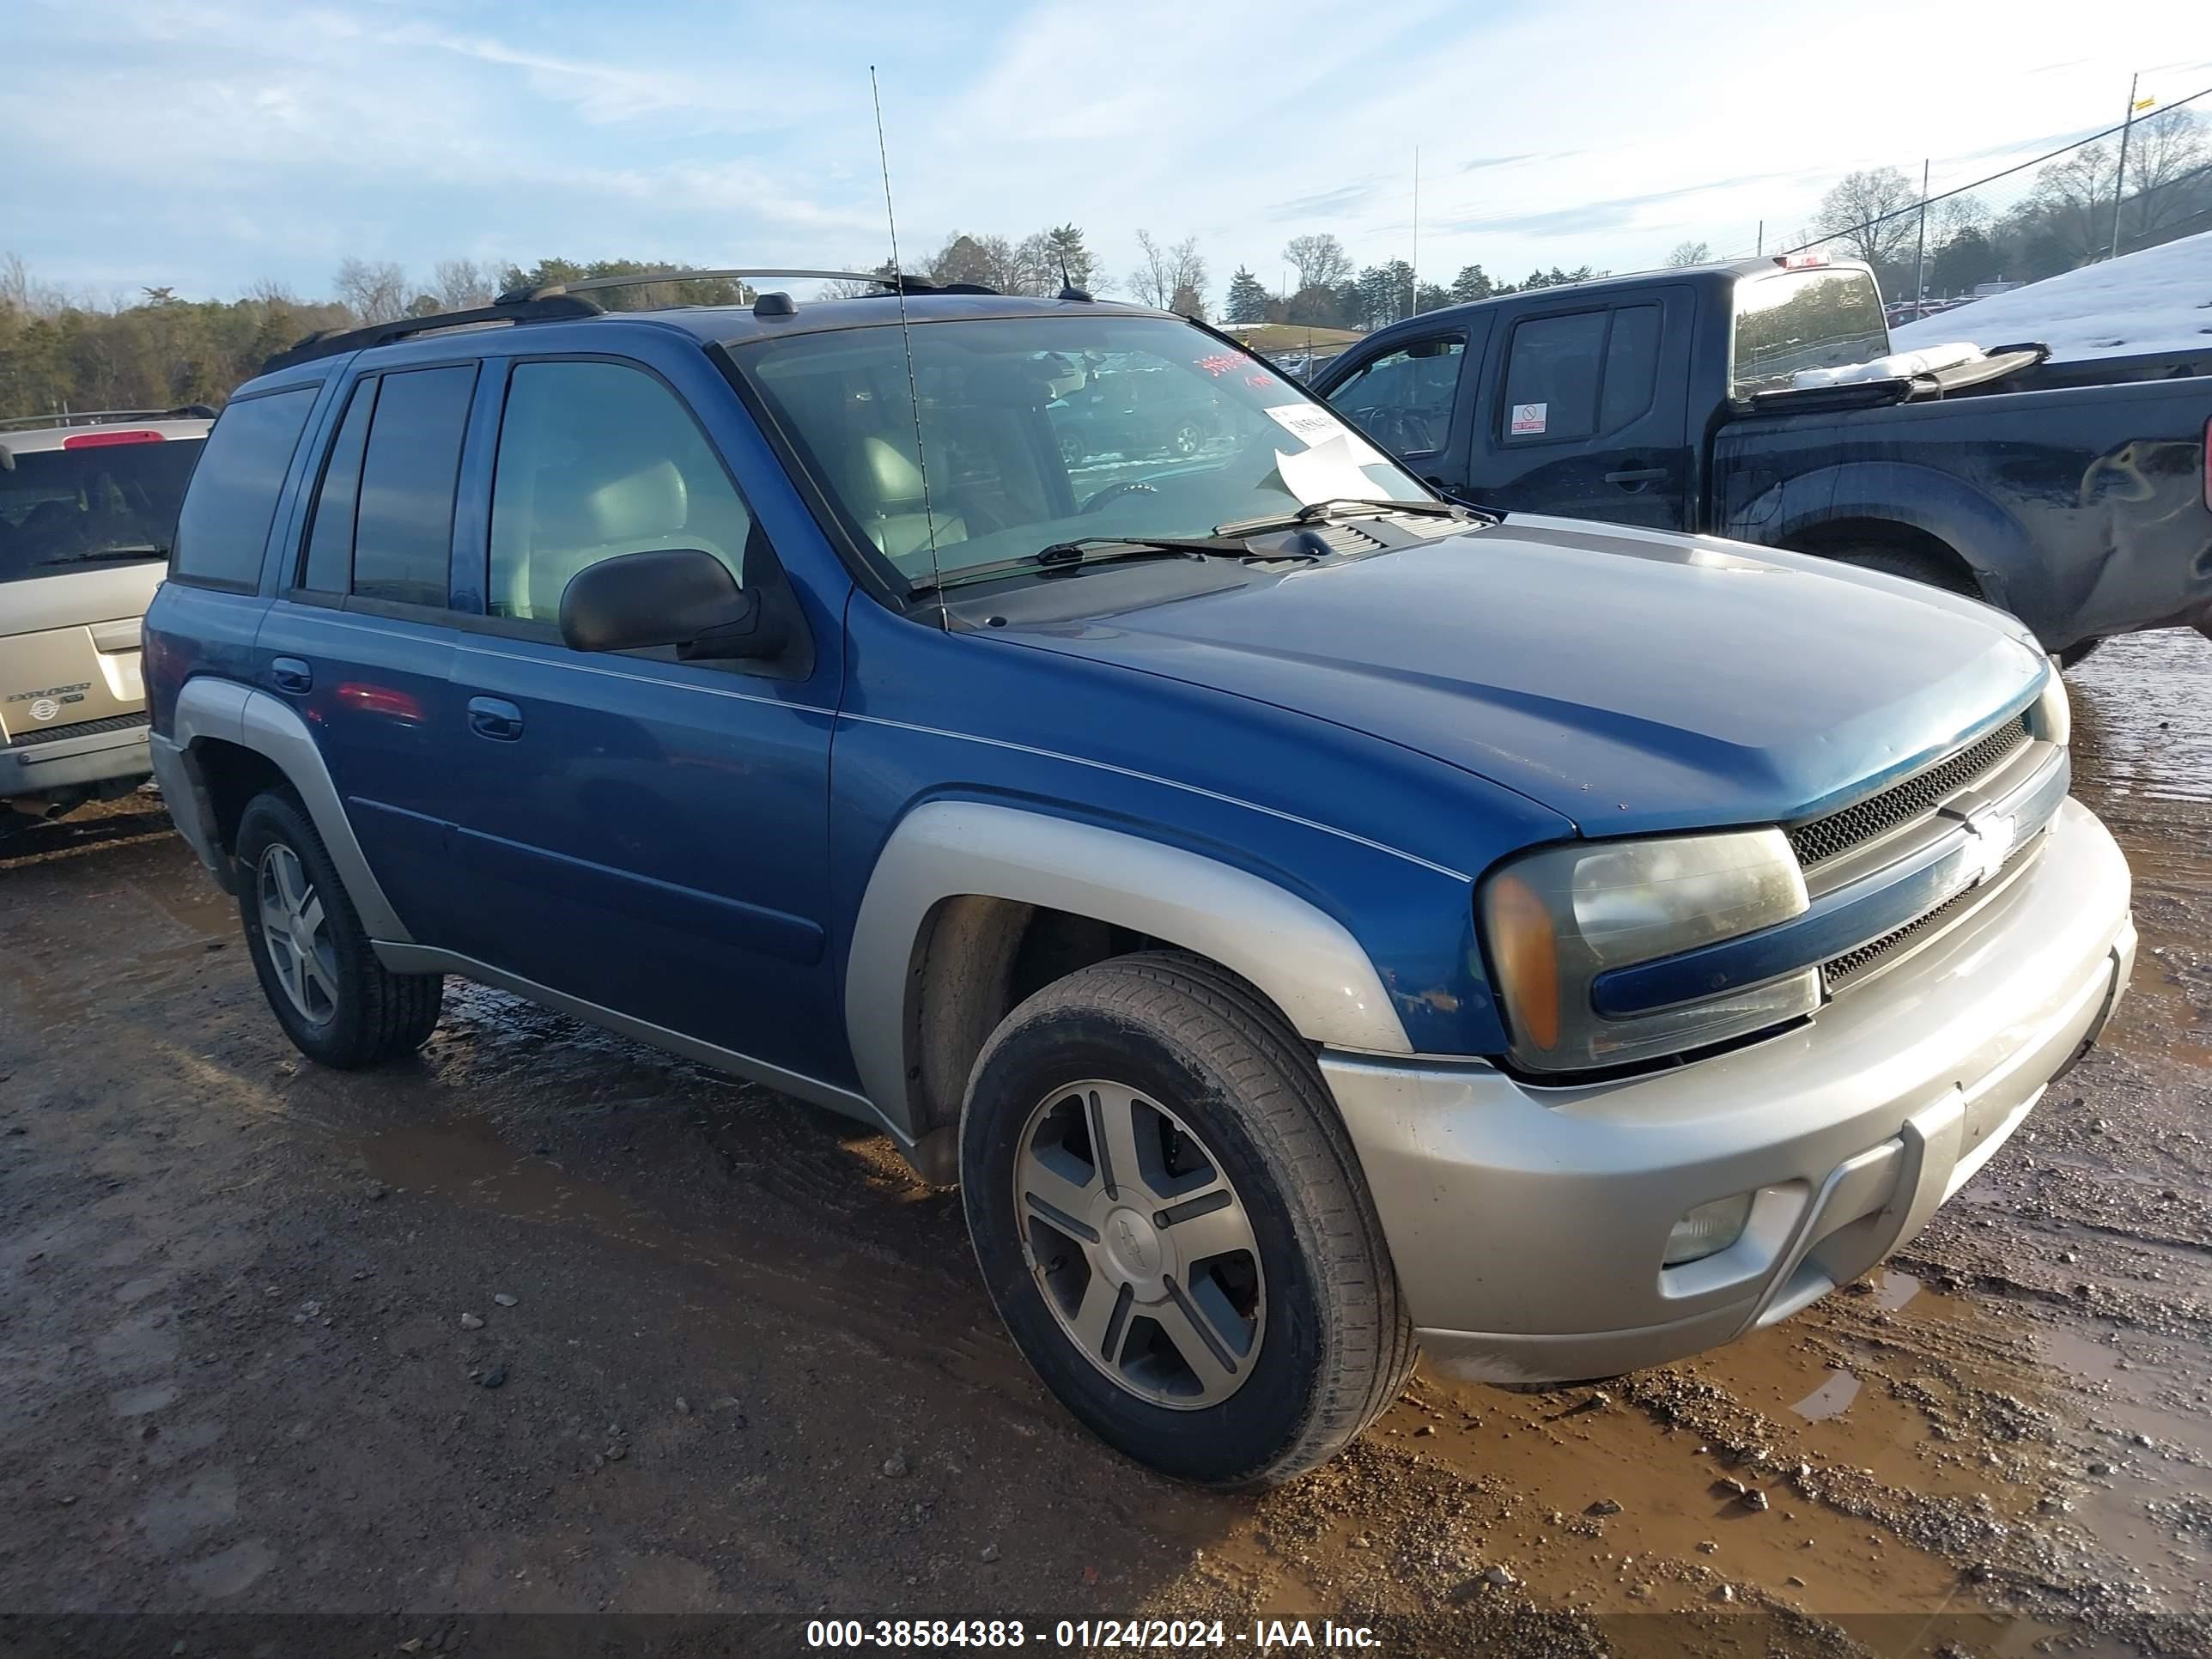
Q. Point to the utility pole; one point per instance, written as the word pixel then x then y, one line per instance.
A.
pixel 2120 177
pixel 1761 248
pixel 1417 231
pixel 1920 250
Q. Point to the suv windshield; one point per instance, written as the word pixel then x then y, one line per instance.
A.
pixel 96 504
pixel 1800 319
pixel 1041 430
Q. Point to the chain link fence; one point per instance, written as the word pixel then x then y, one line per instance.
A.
pixel 1932 236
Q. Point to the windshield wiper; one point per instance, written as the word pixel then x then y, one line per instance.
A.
pixel 1103 550
pixel 1313 512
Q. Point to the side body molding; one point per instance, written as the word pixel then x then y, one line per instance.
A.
pixel 220 710
pixel 1313 969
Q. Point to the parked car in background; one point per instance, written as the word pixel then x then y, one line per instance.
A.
pixel 2074 496
pixel 1307 917
pixel 88 506
pixel 1132 412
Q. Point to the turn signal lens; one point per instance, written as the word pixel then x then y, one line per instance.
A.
pixel 1528 955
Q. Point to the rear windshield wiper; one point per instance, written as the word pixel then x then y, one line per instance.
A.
pixel 1312 512
pixel 1103 550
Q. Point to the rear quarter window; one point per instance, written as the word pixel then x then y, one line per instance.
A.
pixel 224 525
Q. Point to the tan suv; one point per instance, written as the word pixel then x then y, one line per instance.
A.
pixel 87 505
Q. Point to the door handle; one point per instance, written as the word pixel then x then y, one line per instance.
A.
pixel 290 674
pixel 494 717
pixel 1634 476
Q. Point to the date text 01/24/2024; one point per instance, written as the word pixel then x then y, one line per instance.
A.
pixel 1084 1633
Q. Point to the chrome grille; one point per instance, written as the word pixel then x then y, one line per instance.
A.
pixel 1831 837
pixel 82 729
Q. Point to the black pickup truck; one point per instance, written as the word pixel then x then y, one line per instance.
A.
pixel 2076 496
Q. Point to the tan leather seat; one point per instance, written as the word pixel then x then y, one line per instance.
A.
pixel 579 517
pixel 884 488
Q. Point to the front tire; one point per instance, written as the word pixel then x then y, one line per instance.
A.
pixel 1216 1300
pixel 340 1006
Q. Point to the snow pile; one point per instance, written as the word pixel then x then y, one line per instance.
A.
pixel 1902 366
pixel 2159 299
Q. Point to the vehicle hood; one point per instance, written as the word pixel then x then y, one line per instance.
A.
pixel 1629 680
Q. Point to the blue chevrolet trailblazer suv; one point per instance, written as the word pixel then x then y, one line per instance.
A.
pixel 1307 917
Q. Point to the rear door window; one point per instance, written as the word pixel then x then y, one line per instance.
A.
pixel 1581 376
pixel 329 567
pixel 1552 378
pixel 1631 367
pixel 224 525
pixel 404 518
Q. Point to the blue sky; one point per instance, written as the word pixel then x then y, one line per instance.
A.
pixel 210 144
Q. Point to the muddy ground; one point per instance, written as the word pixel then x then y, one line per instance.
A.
pixel 549 1323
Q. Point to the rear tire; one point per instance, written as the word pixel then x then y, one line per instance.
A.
pixel 1225 1311
pixel 340 1006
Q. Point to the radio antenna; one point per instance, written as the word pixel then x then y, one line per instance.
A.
pixel 906 340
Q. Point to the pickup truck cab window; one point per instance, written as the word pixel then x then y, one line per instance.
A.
pixel 992 479
pixel 597 459
pixel 1551 372
pixel 1799 319
pixel 1403 398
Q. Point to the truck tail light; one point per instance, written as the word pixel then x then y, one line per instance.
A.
pixel 1800 261
pixel 102 440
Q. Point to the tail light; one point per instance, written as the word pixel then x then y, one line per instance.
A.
pixel 103 440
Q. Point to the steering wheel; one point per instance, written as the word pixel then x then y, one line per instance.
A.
pixel 1126 486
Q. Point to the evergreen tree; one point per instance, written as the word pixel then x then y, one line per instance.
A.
pixel 1248 300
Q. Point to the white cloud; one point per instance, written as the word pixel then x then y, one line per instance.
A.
pixel 225 142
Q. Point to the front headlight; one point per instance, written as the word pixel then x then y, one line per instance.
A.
pixel 1557 918
pixel 2053 719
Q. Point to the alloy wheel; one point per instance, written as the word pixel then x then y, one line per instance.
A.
pixel 1140 1245
pixel 296 934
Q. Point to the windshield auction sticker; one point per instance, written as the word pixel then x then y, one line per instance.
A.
pixel 1528 420
pixel 1313 426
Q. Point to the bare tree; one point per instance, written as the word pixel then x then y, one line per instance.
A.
pixel 374 291
pixel 1171 278
pixel 1954 216
pixel 462 285
pixel 1691 254
pixel 22 294
pixel 1319 261
pixel 1866 213
pixel 2165 154
pixel 2073 197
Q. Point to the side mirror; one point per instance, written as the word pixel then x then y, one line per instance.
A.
pixel 680 596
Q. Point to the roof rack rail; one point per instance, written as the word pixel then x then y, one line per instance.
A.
pixel 902 283
pixel 334 342
pixel 93 416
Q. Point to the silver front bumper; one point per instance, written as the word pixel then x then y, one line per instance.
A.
pixel 1528 1224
